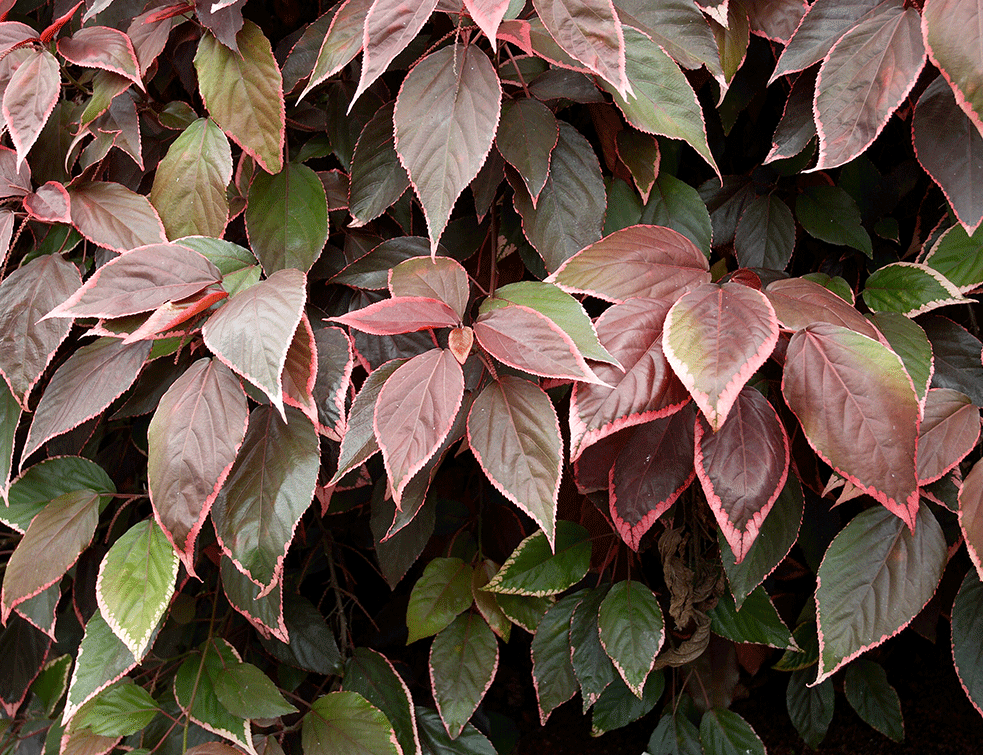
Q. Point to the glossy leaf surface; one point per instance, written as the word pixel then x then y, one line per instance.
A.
pixel 371 675
pixel 538 567
pixel 632 631
pixel 952 32
pixel 463 662
pixel 439 596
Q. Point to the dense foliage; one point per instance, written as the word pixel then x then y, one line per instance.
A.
pixel 346 350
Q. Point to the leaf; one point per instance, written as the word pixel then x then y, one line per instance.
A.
pixel 335 362
pixel 189 190
pixel 27 343
pixel 946 143
pixel 312 645
pixel 591 665
pixel 664 102
pixel 873 698
pixel 514 434
pixel 29 98
pixel 675 735
pixel 568 215
pixel 463 662
pixel 743 467
pixel 300 371
pixel 486 603
pixel 875 578
pixel 23 652
pixel 910 289
pixel 677 205
pixel 956 355
pixel 378 178
pixel 243 92
pixel 110 215
pixel 908 341
pixel 41 483
pixel 552 670
pixel 439 278
pixel 724 731
pixel 632 631
pixel 880 58
pixel 61 531
pixel 442 592
pixel 797 128
pixel 765 235
pixel 959 257
pixel 247 692
pixel 617 706
pixel 756 621
pixel 264 610
pixel 970 514
pixel 810 708
pixel 733 33
pixel 639 261
pixel 10 414
pixel 371 675
pixel 539 568
pixel 341 44
pixel 193 440
pixel 641 155
pixel 951 31
pixel 401 314
pixel 715 338
pixel 644 389
pixel 49 204
pixel 136 583
pixel 442 137
pixel 436 741
pixel 269 488
pixel 800 302
pixel 251 333
pixel 347 722
pixel 102 659
pixel 121 709
pixel 414 413
pixel 523 610
pixel 677 26
pixel 83 387
pixel 949 431
pixel 527 135
pixel 829 214
pixel 967 621
pixel 864 402
pixel 102 47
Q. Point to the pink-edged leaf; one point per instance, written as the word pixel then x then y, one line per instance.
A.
pixel 10 414
pixel 223 19
pixel 243 92
pixel 525 339
pixel 799 302
pixel 632 631
pixel 88 382
pixel 439 278
pixel 526 138
pixel 50 546
pixel 6 232
pixel 49 204
pixel 378 178
pixel 13 33
pixel 390 25
pixel 341 44
pixel 733 35
pixel 251 333
pixel 335 362
pixel 948 144
pixel 514 433
pixel 858 410
pixel 268 489
pixel 953 34
pixel 958 256
pixel 488 14
pixel 193 440
pixel 460 341
pixel 910 289
pixel 414 413
pixel 640 261
pixel 401 314
pixel 25 653
pixel 370 674
pixel 300 371
pixel 645 389
pixel 866 75
pixel 776 20
pixel 552 670
pixel 463 663
pixel 27 342
pixel 29 98
pixel 797 127
pixel 589 31
pixel 971 515
pixel 678 26
pixel 266 612
pixel 15 180
pixel 442 134
pixel 876 576
pixel 967 624
pixel 653 467
pixel 102 47
pixel 948 432
pixel 102 659
pixel 641 155
pixel 716 337
pixel 140 281
pixel 167 317
pixel 908 341
pixel 742 467
pixel 148 33
pixel 110 215
pixel 531 37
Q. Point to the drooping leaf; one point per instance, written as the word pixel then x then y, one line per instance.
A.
pixel 378 178
pixel 414 413
pixel 871 695
pixel 865 400
pixel 677 205
pixel 756 621
pixel 765 234
pixel 102 659
pixel 640 261
pixel 797 128
pixel 439 278
pixel 442 135
pixel 952 35
pixel 189 190
pixel 959 257
pixel 909 289
pixel 732 31
pixel 29 97
pixel 617 706
pixel 829 214
pixel 335 362
pixel 514 433
pixel 715 337
pixel 552 670
pixel 83 387
pixel 371 675
pixel 45 481
pixel 724 731
pixel 678 26
pixel 268 489
pixel 135 584
pixel 591 665
pixel 27 343
pixel 442 592
pixel 102 47
pixel 632 631
pixel 121 709
pixel 527 136
pixel 875 578
pixel 110 215
pixel 243 91
pixel 463 663
pixel 967 622
pixel 539 568
pixel 341 44
pixel 193 440
pixel 800 302
pixel 300 371
pixel 909 342
pixel 949 431
pixel 251 332
pixel 401 314
pixel 810 708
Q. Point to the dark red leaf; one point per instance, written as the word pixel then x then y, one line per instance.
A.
pixel 971 514
pixel 433 278
pixel 224 22
pixel 335 361
pixel 799 302
pixel 49 204
pixel 953 32
pixel 110 215
pixel 29 98
pixel 102 47
pixel 527 136
pixel 300 371
pixel 49 33
pixel 949 431
pixel 401 314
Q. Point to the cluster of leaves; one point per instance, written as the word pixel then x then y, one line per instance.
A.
pixel 500 288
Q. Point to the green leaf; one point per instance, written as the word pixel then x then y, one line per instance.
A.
pixel 371 675
pixel 724 732
pixel 909 289
pixel 829 214
pixel 442 136
pixel 263 608
pixel 908 341
pixel 632 631
pixel 312 645
pixel 189 190
pixel 871 695
pixel 952 32
pixel 765 235
pixel 52 683
pixel 10 414
pixel 967 623
pixel 287 218
pixel 675 735
pixel 398 552
pixel 436 740
pixel 102 659
pixel 527 135
pixel 618 706
pixel 757 621
pixel 524 610
pixel 806 636
pixel 442 592
pixel 347 722
pixel 463 662
pixel 31 492
pixel 247 692
pixel 959 257
pixel 591 665
pixel 243 92
pixel 535 569
pixel 810 708
pixel 677 205
pixel 552 670
pixel 135 584
pixel 122 709
pixel 875 578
